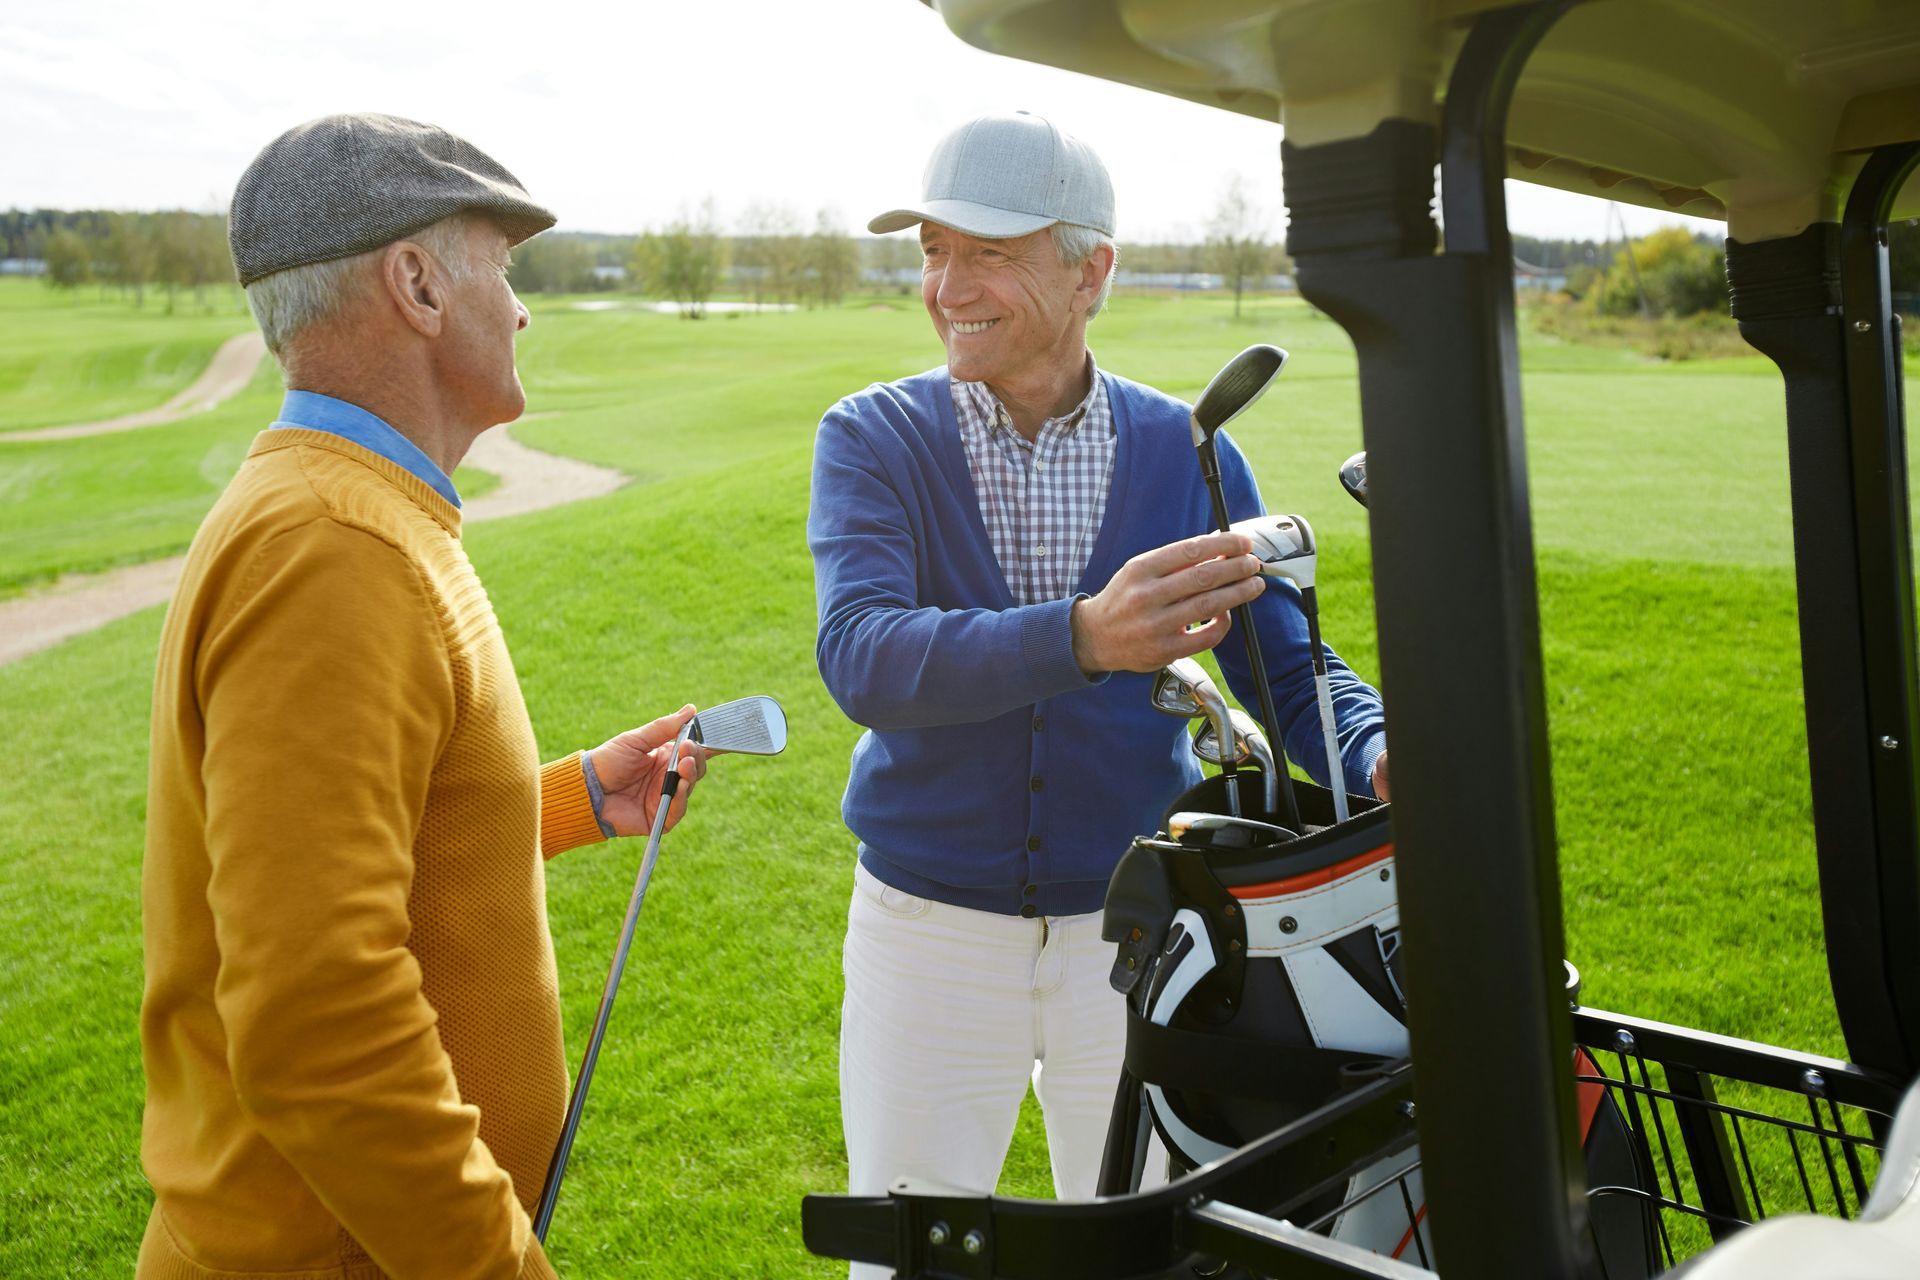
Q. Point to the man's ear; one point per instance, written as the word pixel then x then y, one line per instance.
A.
pixel 1093 274
pixel 415 286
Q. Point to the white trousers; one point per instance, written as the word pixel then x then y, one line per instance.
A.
pixel 949 1013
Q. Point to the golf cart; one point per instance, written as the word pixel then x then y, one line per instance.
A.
pixel 1799 123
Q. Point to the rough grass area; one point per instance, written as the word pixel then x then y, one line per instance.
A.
pixel 1681 783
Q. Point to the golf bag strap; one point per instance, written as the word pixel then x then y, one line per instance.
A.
pixel 1230 1067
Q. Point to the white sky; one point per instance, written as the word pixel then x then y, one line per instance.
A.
pixel 615 115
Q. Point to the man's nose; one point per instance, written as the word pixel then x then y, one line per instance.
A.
pixel 526 318
pixel 958 284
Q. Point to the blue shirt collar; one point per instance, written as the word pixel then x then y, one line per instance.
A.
pixel 318 412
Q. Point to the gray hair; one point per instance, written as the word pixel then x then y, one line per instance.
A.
pixel 1075 244
pixel 289 301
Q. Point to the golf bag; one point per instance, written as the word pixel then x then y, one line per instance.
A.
pixel 1264 981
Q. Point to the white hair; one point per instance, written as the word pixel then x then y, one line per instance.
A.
pixel 287 302
pixel 1075 244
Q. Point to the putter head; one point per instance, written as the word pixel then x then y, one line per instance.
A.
pixel 1244 380
pixel 1177 689
pixel 1284 546
pixel 1353 476
pixel 1219 831
pixel 755 726
pixel 1206 743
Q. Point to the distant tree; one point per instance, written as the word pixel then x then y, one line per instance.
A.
pixel 1238 240
pixel 769 257
pixel 130 255
pixel 643 260
pixel 832 261
pixel 1677 274
pixel 693 258
pixel 69 260
pixel 553 263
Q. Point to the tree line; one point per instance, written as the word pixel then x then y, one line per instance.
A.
pixel 172 250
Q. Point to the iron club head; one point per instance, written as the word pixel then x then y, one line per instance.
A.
pixel 755 726
pixel 1207 743
pixel 1221 831
pixel 1244 380
pixel 1353 476
pixel 1284 545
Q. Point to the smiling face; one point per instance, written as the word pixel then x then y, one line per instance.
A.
pixel 1009 312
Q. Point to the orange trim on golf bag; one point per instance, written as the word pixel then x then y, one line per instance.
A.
pixel 1313 879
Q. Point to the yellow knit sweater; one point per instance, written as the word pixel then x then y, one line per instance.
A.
pixel 351 1026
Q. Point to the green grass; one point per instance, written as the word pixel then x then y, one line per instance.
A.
pixel 1668 606
pixel 75 356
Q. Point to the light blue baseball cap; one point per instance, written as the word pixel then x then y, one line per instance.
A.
pixel 1007 175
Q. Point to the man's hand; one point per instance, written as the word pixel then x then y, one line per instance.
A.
pixel 632 767
pixel 1380 788
pixel 1139 622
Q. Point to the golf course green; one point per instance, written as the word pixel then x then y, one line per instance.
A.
pixel 1667 594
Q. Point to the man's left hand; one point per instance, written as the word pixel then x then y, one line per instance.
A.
pixel 633 765
pixel 1380 788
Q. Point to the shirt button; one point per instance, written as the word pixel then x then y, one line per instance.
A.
pixel 1040 550
pixel 1029 911
pixel 1038 783
pixel 1033 846
pixel 1039 465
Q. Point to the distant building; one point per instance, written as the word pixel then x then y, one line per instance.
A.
pixel 23 267
pixel 609 274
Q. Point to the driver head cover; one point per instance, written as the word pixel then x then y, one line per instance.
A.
pixel 1004 176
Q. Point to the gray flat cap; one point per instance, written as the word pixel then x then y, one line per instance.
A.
pixel 1003 176
pixel 342 185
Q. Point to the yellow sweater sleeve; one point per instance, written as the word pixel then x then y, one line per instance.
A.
pixel 327 696
pixel 566 807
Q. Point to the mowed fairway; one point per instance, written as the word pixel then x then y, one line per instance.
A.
pixel 1679 746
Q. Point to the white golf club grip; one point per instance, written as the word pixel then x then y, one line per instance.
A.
pixel 1336 772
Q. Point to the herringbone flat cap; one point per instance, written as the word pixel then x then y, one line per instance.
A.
pixel 342 185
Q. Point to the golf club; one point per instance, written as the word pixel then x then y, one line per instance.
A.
pixel 1250 745
pixel 750 726
pixel 1244 380
pixel 1183 688
pixel 1353 476
pixel 1286 549
pixel 1225 832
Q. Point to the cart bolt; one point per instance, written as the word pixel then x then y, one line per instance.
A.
pixel 1863 326
pixel 1131 962
pixel 1814 1081
pixel 1288 924
pixel 1232 910
pixel 1407 1110
pixel 1889 742
pixel 1386 874
pixel 1234 946
pixel 1623 1041
pixel 973 1242
pixel 937 1233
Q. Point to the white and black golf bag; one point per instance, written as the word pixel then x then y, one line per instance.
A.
pixel 1262 982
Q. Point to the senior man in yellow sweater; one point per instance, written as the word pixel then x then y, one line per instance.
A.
pixel 351 1026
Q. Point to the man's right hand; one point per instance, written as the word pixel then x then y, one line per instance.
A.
pixel 1139 622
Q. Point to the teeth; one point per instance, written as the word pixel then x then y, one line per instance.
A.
pixel 978 326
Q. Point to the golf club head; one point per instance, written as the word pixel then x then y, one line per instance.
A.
pixel 1244 380
pixel 1353 476
pixel 1219 831
pixel 1250 734
pixel 1284 546
pixel 755 726
pixel 1177 689
pixel 1207 746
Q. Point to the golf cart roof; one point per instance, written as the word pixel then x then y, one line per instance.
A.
pixel 1759 112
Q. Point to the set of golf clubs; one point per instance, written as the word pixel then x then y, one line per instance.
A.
pixel 1285 547
pixel 755 726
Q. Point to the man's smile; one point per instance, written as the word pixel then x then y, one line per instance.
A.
pixel 973 326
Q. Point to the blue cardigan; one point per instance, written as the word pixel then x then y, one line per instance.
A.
pixel 993 773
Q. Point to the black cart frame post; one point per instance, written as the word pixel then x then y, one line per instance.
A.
pixel 1460 650
pixel 1819 306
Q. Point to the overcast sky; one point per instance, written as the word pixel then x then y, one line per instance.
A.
pixel 615 115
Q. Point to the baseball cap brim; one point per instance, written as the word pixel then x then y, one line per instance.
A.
pixel 963 216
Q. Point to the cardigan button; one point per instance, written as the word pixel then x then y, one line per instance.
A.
pixel 1033 846
pixel 1029 911
pixel 1038 783
pixel 1039 723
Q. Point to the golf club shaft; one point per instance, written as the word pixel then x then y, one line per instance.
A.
pixel 1256 661
pixel 1323 692
pixel 550 1192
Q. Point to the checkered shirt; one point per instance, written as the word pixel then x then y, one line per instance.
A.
pixel 1042 502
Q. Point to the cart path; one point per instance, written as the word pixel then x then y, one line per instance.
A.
pixel 529 481
pixel 225 376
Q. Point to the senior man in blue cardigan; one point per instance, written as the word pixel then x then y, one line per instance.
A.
pixel 1003 548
